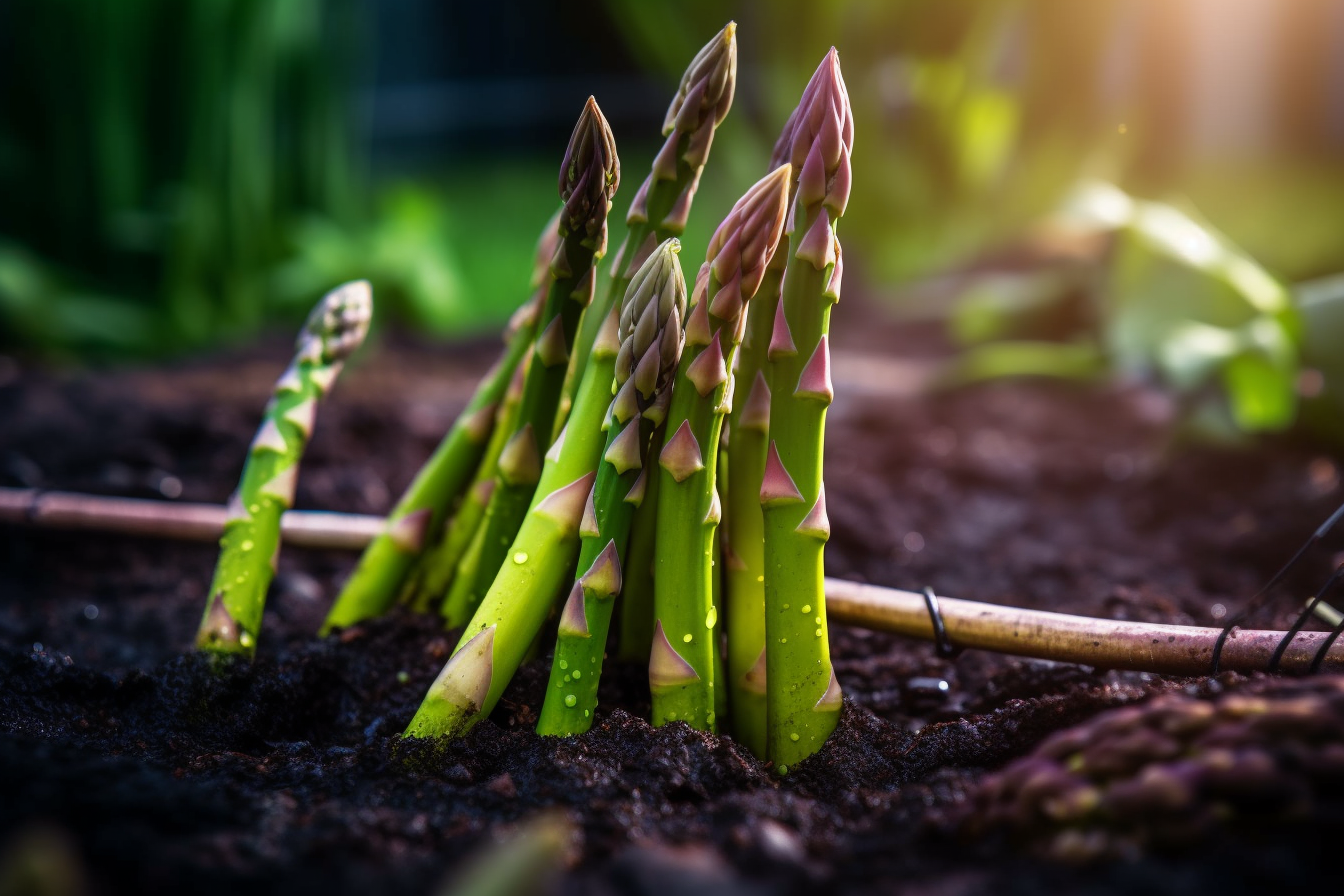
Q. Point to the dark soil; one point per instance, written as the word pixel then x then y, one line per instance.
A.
pixel 290 777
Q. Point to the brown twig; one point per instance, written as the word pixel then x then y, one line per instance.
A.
pixel 1103 643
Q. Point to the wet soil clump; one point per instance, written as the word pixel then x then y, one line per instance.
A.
pixel 290 777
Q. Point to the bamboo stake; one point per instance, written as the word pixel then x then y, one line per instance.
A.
pixel 1102 643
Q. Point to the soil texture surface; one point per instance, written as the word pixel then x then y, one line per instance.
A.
pixel 128 763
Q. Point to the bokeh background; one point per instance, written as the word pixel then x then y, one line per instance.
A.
pixel 178 175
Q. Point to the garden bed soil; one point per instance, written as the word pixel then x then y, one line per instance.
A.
pixel 290 777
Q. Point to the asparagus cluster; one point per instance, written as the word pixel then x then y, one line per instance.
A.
pixel 250 545
pixel 491 531
pixel 1173 771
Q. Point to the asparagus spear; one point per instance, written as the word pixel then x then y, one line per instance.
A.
pixel 251 541
pixel 544 553
pixel 681 677
pixel 588 179
pixel 463 596
pixel 429 579
pixel 721 485
pixel 663 203
pixel 417 519
pixel 650 346
pixel 636 617
pixel 803 698
pixel 743 542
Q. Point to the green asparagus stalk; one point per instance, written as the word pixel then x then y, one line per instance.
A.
pixel 650 340
pixel 635 620
pixel 588 179
pixel 460 603
pixel 661 207
pixel 744 538
pixel 803 698
pixel 418 517
pixel 743 526
pixel 250 545
pixel 721 706
pixel 681 661
pixel 499 635
pixel 429 579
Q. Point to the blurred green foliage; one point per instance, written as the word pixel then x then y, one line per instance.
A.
pixel 1163 296
pixel 152 156
pixel 176 174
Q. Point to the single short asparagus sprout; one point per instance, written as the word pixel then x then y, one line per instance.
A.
pixel 251 541
pixel 429 580
pixel 681 662
pixel 589 177
pixel 650 346
pixel 803 698
pixel 544 553
pixel 663 203
pixel 418 517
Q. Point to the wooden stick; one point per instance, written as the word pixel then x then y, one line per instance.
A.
pixel 1102 643
pixel 163 519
